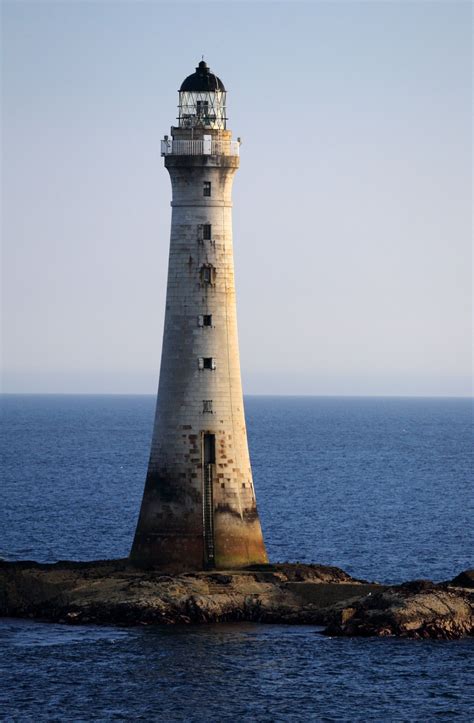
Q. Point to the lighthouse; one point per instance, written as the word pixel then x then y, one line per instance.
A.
pixel 199 508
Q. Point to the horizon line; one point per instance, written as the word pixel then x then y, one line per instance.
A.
pixel 300 396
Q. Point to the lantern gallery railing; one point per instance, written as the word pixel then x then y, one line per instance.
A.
pixel 204 147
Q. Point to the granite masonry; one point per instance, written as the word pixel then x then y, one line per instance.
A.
pixel 199 509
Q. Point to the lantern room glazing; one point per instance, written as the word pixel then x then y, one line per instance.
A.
pixel 202 100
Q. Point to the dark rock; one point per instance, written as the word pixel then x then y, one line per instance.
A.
pixel 412 610
pixel 464 579
pixel 417 585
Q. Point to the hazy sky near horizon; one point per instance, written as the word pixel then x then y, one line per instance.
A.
pixel 352 206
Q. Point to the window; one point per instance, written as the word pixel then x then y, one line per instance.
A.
pixel 207 274
pixel 204 232
pixel 206 189
pixel 207 406
pixel 206 362
pixel 205 320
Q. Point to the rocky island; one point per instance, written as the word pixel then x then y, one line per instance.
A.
pixel 114 592
pixel 199 509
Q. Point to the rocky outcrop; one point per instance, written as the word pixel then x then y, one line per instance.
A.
pixel 418 609
pixel 114 592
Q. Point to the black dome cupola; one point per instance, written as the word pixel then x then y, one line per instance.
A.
pixel 202 81
pixel 202 100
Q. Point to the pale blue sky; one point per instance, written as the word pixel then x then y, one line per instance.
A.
pixel 352 207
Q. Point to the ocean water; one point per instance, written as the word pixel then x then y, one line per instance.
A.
pixel 380 487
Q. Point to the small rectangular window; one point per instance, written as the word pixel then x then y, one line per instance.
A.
pixel 207 320
pixel 206 362
pixel 207 274
pixel 207 406
pixel 206 232
pixel 206 190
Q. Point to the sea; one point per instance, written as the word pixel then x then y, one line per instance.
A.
pixel 381 487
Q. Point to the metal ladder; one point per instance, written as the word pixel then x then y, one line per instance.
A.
pixel 208 517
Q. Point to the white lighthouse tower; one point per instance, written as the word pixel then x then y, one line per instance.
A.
pixel 199 509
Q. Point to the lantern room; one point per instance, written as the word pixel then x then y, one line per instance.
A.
pixel 202 99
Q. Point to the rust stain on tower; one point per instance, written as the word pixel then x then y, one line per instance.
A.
pixel 199 509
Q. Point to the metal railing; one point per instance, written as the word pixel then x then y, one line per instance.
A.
pixel 202 147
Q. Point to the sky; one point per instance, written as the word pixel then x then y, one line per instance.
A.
pixel 352 205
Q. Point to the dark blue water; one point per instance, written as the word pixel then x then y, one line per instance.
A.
pixel 380 487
